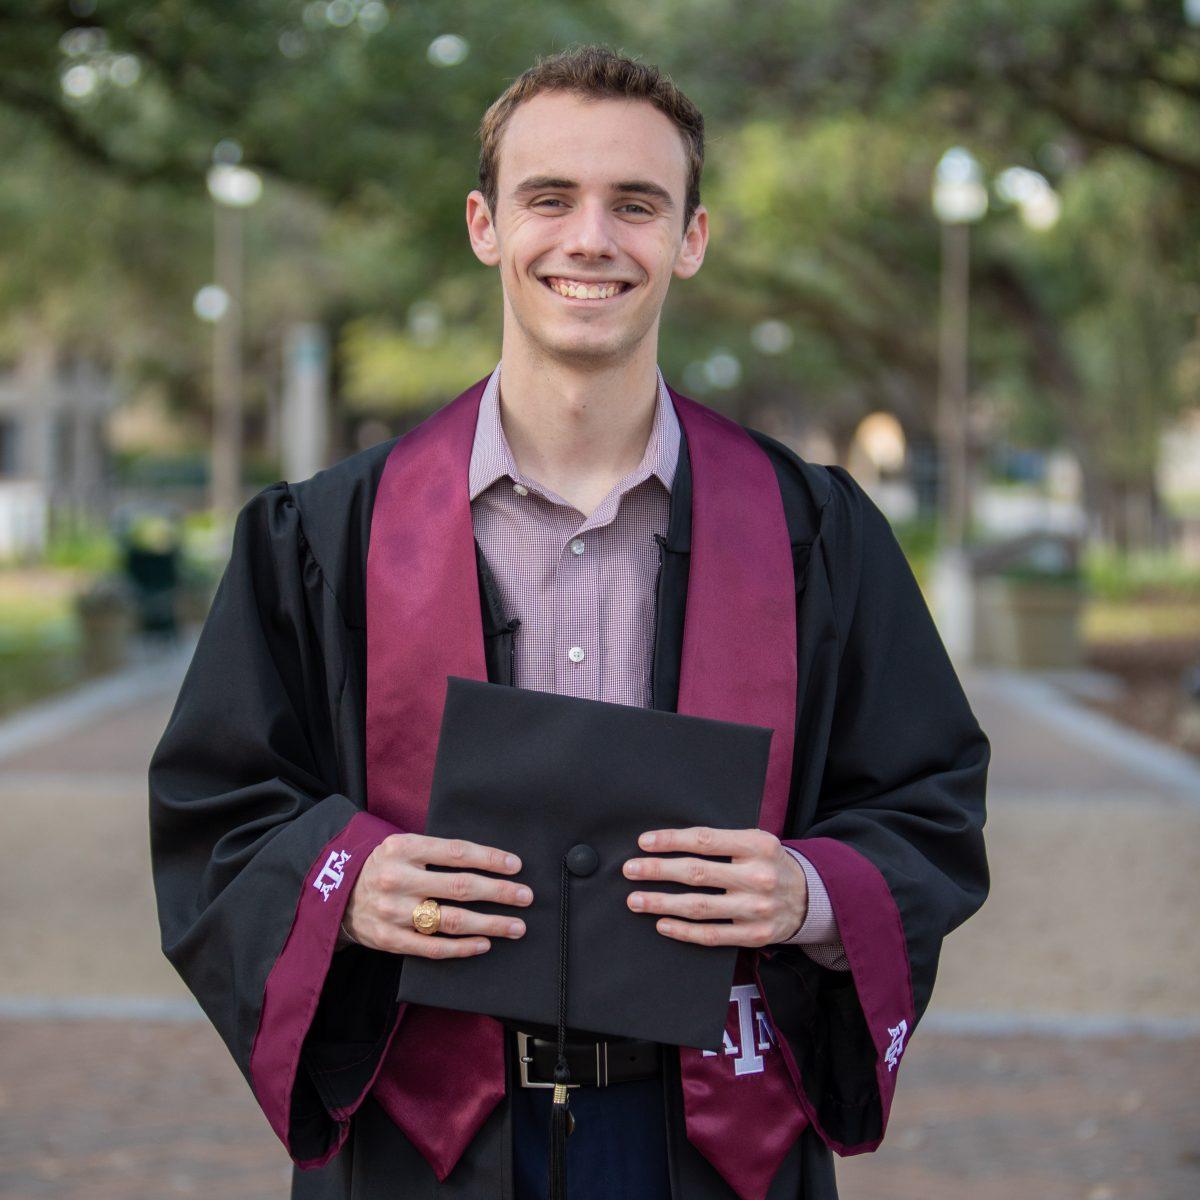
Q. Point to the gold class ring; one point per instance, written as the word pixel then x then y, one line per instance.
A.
pixel 427 916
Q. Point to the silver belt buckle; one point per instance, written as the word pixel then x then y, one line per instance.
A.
pixel 524 1058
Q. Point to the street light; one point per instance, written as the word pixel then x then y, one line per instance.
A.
pixel 1035 199
pixel 959 199
pixel 233 188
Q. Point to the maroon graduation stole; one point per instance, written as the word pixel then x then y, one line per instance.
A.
pixel 444 1071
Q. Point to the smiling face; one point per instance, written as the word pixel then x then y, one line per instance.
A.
pixel 588 228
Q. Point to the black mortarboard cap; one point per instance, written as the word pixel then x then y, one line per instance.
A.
pixel 569 785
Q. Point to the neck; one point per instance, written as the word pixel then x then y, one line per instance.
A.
pixel 577 431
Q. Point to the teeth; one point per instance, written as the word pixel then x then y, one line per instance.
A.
pixel 594 291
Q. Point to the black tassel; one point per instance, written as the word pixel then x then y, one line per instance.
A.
pixel 562 1120
pixel 562 1125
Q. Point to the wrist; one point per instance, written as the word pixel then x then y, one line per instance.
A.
pixel 819 926
pixel 345 938
pixel 799 890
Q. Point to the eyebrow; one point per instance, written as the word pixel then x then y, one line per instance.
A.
pixel 642 187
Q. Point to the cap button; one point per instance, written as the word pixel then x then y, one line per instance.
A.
pixel 582 860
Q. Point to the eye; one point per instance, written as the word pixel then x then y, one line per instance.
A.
pixel 546 200
pixel 641 208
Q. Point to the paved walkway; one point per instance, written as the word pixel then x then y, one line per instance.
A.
pixel 1058 1058
pixel 104 1110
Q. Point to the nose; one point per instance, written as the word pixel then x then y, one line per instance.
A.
pixel 589 231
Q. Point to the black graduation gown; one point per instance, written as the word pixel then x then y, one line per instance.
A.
pixel 262 764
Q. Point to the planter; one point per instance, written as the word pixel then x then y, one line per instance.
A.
pixel 1025 623
pixel 106 623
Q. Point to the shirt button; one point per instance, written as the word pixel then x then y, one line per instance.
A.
pixel 577 546
pixel 575 654
pixel 520 489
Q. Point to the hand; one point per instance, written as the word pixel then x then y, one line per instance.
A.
pixel 394 880
pixel 765 890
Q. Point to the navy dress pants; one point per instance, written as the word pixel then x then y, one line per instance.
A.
pixel 617 1152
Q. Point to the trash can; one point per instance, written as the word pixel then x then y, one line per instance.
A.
pixel 151 546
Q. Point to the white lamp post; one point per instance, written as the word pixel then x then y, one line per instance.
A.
pixel 233 188
pixel 959 199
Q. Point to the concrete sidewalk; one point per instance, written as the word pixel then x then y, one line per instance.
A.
pixel 1056 1060
pixel 1094 844
pixel 1045 743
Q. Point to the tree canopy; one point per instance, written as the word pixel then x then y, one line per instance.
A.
pixel 825 122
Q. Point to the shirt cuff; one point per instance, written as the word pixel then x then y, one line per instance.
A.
pixel 820 925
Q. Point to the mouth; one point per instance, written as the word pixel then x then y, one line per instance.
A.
pixel 583 291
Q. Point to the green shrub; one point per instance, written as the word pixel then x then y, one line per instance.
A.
pixel 85 547
pixel 1147 575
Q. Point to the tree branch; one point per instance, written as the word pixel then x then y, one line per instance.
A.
pixel 90 147
pixel 1103 131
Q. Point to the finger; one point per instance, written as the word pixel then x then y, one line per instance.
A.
pixel 464 886
pixel 702 839
pixel 696 872
pixel 435 945
pixel 398 939
pixel 699 907
pixel 461 854
pixel 715 934
pixel 462 921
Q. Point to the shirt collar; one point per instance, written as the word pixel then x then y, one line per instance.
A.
pixel 491 457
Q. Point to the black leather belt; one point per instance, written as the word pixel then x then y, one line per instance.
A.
pixel 593 1064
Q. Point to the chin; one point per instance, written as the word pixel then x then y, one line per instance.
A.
pixel 592 354
pixel 613 346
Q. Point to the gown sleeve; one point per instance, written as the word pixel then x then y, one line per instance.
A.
pixel 255 846
pixel 897 837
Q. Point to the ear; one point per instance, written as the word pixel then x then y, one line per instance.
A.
pixel 481 230
pixel 691 249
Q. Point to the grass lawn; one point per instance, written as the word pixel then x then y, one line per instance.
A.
pixel 39 633
pixel 36 599
pixel 1106 621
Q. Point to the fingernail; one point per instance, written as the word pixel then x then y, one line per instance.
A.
pixel 637 902
pixel 524 895
pixel 481 947
pixel 647 840
pixel 633 868
pixel 512 862
pixel 515 929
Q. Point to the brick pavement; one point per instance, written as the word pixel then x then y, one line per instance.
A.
pixel 122 1110
pixel 1096 883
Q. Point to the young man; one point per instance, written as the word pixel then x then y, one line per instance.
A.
pixel 576 527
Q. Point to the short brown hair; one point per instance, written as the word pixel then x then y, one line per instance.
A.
pixel 597 72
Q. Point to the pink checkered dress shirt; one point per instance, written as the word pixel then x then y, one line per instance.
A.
pixel 583 587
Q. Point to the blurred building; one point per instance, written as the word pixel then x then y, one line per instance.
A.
pixel 54 410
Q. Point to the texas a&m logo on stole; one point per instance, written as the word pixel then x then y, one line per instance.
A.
pixel 754 1036
pixel 331 874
